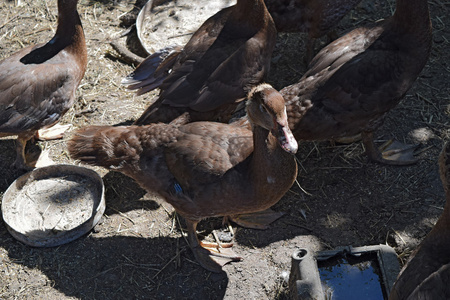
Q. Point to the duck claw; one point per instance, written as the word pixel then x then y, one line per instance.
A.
pixel 390 153
pixel 396 153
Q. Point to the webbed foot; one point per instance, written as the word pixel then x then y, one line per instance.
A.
pixel 390 153
pixel 396 153
pixel 213 257
pixel 258 220
pixel 52 133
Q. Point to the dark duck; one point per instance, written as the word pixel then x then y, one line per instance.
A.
pixel 38 83
pixel 227 56
pixel 203 169
pixel 354 81
pixel 427 273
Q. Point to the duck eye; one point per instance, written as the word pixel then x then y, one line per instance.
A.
pixel 262 108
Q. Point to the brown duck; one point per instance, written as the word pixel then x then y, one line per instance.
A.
pixel 38 83
pixel 427 273
pixel 227 56
pixel 316 18
pixel 354 81
pixel 204 169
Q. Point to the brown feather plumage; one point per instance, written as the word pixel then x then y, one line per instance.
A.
pixel 354 81
pixel 427 273
pixel 228 55
pixel 203 169
pixel 38 83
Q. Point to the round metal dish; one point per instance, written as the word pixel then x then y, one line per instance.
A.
pixel 167 23
pixel 53 205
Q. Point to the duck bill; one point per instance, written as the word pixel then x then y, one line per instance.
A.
pixel 287 140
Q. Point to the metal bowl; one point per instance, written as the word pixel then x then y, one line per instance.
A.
pixel 53 205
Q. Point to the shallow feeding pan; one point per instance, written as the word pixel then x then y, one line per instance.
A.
pixel 172 22
pixel 367 272
pixel 53 205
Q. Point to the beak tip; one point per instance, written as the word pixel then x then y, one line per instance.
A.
pixel 292 149
pixel 288 141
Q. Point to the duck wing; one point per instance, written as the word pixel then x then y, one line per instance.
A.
pixel 340 51
pixel 217 65
pixel 207 151
pixel 350 87
pixel 35 95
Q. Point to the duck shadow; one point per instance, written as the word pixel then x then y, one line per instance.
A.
pixel 119 267
pixel 108 265
pixel 113 267
pixel 123 194
pixel 7 157
pixel 350 201
pixel 347 197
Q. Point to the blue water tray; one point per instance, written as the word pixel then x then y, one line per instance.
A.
pixel 367 272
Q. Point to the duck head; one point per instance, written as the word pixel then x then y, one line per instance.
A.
pixel 266 109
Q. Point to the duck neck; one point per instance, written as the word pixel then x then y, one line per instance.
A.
pixel 412 14
pixel 265 142
pixel 273 169
pixel 250 12
pixel 69 33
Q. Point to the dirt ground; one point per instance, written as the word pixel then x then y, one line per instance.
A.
pixel 138 251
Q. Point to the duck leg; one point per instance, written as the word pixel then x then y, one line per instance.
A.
pixel 348 139
pixel 258 220
pixel 20 162
pixel 394 153
pixel 210 256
